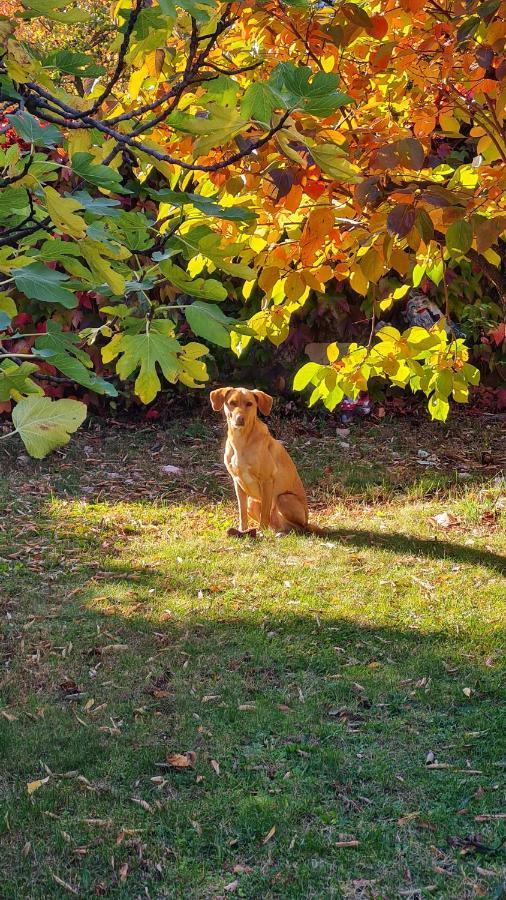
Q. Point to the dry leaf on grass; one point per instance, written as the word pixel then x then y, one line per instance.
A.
pixel 444 520
pixel 182 760
pixel 489 817
pixel 231 887
pixel 409 817
pixel 216 766
pixel 33 786
pixel 64 884
pixel 352 843
pixel 270 834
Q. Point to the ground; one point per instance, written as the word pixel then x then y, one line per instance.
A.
pixel 184 715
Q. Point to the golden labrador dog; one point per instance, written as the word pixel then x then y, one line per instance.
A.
pixel 267 484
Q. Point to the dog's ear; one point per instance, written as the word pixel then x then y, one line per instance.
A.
pixel 218 398
pixel 264 401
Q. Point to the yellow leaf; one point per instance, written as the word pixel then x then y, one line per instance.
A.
pixel 332 352
pixel 358 280
pixel 294 286
pixel 372 265
pixel 101 267
pixel 33 786
pixel 78 142
pixel 7 305
pixel 136 80
pixel 63 213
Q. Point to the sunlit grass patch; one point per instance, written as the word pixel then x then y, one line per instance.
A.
pixel 314 678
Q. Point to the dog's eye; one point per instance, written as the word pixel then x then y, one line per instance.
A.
pixel 249 403
pixel 232 403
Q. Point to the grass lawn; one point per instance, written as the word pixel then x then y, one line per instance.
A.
pixel 341 699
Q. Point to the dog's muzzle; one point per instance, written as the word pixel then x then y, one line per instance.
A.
pixel 238 421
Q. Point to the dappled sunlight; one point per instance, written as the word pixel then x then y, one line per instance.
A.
pixel 312 678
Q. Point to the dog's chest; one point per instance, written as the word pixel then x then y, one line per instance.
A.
pixel 241 470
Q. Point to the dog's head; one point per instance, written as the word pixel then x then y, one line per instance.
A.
pixel 240 405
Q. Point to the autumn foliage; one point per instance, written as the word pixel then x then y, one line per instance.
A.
pixel 205 156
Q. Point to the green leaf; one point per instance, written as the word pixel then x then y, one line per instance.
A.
pixel 318 97
pixel 205 289
pixel 306 374
pixel 144 352
pixel 223 90
pixel 37 282
pixel 73 63
pixel 471 374
pixel 99 206
pixel 330 160
pixel 206 205
pixel 444 383
pixel 13 202
pixel 209 322
pixel 259 102
pixel 44 424
pixel 15 380
pixel 54 10
pixel 7 89
pixel 201 10
pixel 95 173
pixel 468 28
pixel 439 408
pixel 459 237
pixel 68 358
pixel 31 130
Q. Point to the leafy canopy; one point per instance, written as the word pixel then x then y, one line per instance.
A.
pixel 254 154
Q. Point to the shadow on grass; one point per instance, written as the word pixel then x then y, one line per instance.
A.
pixel 320 725
pixel 397 543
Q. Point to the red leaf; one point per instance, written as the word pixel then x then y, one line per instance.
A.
pixel 401 219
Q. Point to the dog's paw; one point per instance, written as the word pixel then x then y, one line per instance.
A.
pixel 236 532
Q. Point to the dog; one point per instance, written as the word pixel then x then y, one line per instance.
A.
pixel 266 482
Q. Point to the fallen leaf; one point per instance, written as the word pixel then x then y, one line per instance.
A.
pixel 347 843
pixel 408 818
pixel 207 698
pixel 64 884
pixel 182 760
pixel 140 802
pixel 231 887
pixel 467 691
pixel 239 869
pixel 270 834
pixel 430 758
pixel 488 817
pixel 245 706
pixel 216 766
pixel 8 715
pixel 171 470
pixel 33 786
pixel 114 648
pixel 444 520
pixel 123 872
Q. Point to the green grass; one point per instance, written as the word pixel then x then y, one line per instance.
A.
pixel 311 676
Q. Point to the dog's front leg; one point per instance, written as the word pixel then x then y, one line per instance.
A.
pixel 267 494
pixel 242 502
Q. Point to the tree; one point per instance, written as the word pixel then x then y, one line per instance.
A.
pixel 249 151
